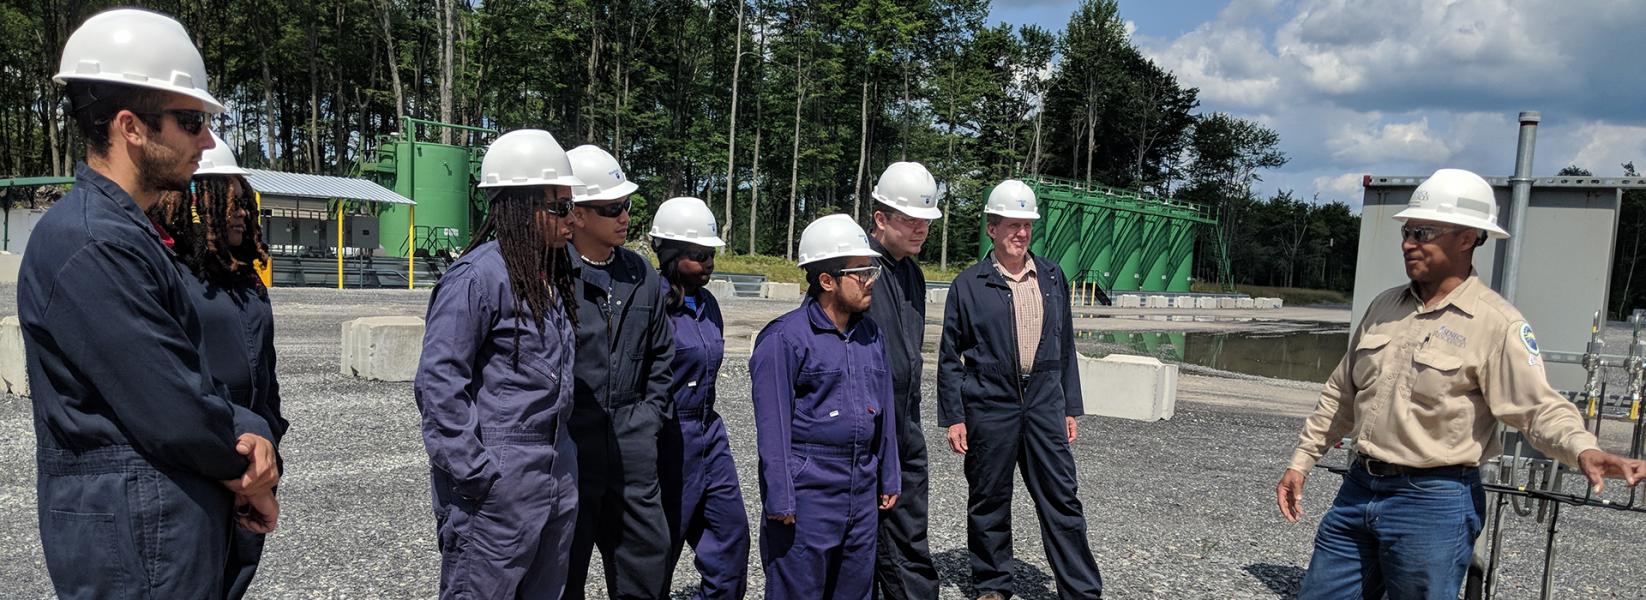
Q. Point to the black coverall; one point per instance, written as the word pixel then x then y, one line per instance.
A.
pixel 903 565
pixel 134 434
pixel 1015 419
pixel 625 344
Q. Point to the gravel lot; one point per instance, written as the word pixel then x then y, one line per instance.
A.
pixel 1177 509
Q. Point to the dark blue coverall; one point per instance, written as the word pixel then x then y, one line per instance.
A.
pixel 904 567
pixel 824 413
pixel 1015 419
pixel 495 394
pixel 700 490
pixel 624 347
pixel 239 349
pixel 134 435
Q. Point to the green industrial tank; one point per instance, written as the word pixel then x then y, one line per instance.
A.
pixel 1121 240
pixel 444 180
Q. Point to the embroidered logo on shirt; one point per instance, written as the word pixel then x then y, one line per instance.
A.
pixel 1527 338
pixel 1452 337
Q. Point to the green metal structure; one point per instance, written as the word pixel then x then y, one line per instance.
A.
pixel 1117 240
pixel 439 177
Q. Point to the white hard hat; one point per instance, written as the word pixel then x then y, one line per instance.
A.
pixel 219 160
pixel 1458 197
pixel 600 173
pixel 831 237
pixel 137 48
pixel 909 188
pixel 1012 199
pixel 685 219
pixel 526 157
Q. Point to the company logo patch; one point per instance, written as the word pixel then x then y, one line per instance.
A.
pixel 617 174
pixel 1527 338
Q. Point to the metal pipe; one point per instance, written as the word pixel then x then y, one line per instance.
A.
pixel 411 248
pixel 339 244
pixel 1519 199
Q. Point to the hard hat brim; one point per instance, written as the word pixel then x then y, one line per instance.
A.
pixel 1014 214
pixel 212 105
pixel 222 171
pixel 712 241
pixel 565 180
pixel 1493 230
pixel 622 189
pixel 929 214
pixel 847 254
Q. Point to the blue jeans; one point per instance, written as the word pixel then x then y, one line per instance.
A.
pixel 1407 536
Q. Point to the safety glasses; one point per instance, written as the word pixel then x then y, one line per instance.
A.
pixel 609 211
pixel 192 121
pixel 558 207
pixel 867 275
pixel 1424 234
pixel 697 254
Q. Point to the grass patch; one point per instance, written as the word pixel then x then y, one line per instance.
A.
pixel 775 268
pixel 1292 296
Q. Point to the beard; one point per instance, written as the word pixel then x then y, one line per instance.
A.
pixel 157 166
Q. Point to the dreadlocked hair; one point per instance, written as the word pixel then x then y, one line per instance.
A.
pixel 539 274
pixel 199 225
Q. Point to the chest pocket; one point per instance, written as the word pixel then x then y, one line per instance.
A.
pixel 1437 373
pixel 1365 364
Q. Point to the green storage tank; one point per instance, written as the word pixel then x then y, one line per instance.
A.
pixel 1121 240
pixel 444 181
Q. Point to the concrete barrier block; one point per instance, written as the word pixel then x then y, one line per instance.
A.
pixel 14 366
pixel 382 348
pixel 1183 302
pixel 10 264
pixel 722 289
pixel 1245 303
pixel 780 291
pixel 937 296
pixel 1270 303
pixel 1139 388
pixel 1227 303
pixel 1158 302
pixel 1128 301
pixel 1205 303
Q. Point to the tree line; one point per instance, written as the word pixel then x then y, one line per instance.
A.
pixel 773 111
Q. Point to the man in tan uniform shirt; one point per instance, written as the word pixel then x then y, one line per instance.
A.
pixel 1432 368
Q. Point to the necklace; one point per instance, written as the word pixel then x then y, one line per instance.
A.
pixel 598 263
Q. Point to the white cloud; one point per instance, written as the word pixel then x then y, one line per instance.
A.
pixel 1342 186
pixel 1403 87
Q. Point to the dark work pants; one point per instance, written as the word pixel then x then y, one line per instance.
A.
pixel 514 542
pixel 1002 436
pixel 828 552
pixel 620 503
pixel 903 562
pixel 114 526
pixel 245 552
pixel 705 504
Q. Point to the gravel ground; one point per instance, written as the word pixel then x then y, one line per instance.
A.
pixel 1177 509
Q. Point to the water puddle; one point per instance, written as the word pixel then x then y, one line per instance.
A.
pixel 1301 355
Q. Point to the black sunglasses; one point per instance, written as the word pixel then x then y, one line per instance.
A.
pixel 609 211
pixel 558 207
pixel 192 121
pixel 697 254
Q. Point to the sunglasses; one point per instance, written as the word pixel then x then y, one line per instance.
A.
pixel 609 211
pixel 558 207
pixel 192 121
pixel 1424 234
pixel 867 275
pixel 697 254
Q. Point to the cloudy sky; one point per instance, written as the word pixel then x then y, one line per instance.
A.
pixel 1401 87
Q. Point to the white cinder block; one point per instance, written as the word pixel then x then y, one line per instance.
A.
pixel 1139 388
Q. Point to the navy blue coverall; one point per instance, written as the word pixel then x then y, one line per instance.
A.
pixel 134 435
pixel 624 347
pixel 1015 419
pixel 904 567
pixel 701 494
pixel 495 393
pixel 824 414
pixel 239 349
